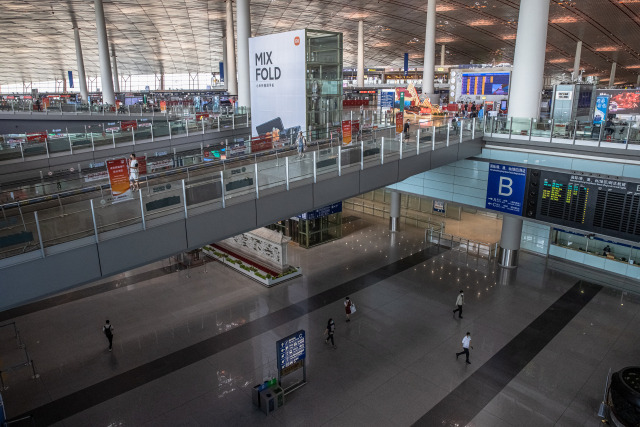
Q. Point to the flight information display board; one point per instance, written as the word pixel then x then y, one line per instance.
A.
pixel 589 203
pixel 485 83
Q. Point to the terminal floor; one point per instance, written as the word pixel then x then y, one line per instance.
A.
pixel 189 345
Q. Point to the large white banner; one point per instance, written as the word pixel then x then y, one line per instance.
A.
pixel 278 95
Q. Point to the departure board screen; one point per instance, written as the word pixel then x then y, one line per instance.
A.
pixel 591 203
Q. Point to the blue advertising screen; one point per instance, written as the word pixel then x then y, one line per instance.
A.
pixel 485 84
pixel 506 188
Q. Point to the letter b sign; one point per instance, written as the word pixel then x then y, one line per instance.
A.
pixel 505 187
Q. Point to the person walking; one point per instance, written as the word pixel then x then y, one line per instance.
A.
pixel 301 142
pixel 406 129
pixel 349 307
pixel 133 172
pixel 466 343
pixel 331 328
pixel 107 329
pixel 459 302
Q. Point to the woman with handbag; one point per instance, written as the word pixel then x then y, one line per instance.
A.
pixel 349 308
pixel 331 327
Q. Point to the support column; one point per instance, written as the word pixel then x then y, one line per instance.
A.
pixel 243 19
pixel 230 73
pixel 108 97
pixel 612 76
pixel 394 211
pixel 510 241
pixel 80 61
pixel 442 53
pixel 638 81
pixel 360 54
pixel 576 61
pixel 527 78
pixel 223 79
pixel 116 79
pixel 430 53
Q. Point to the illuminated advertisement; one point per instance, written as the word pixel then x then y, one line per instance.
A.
pixel 346 132
pixel 485 83
pixel 119 180
pixel 622 101
pixel 277 77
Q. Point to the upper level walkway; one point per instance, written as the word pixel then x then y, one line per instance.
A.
pixel 53 245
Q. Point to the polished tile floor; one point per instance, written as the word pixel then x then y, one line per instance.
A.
pixel 189 345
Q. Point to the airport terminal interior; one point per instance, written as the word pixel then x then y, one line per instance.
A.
pixel 331 213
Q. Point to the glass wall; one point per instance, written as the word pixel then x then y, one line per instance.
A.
pixel 324 82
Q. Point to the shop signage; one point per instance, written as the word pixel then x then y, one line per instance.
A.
pixel 438 206
pixel 119 180
pixel 152 166
pixel 505 188
pixel 399 119
pixel 278 87
pixel 564 95
pixel 622 101
pixel 291 350
pixel 346 132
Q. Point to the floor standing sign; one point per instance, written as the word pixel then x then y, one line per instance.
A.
pixel 119 180
pixel 291 357
pixel 399 119
pixel 346 132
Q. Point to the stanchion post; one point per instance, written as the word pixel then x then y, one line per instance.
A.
pixel 222 188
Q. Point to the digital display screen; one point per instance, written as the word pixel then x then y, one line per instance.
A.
pixel 590 203
pixel 485 84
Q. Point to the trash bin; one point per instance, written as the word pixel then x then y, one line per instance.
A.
pixel 271 399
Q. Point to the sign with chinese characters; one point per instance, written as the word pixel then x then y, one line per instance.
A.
pixel 346 132
pixel 505 188
pixel 119 180
pixel 600 113
pixel 291 350
pixel 399 119
pixel 438 206
pixel 387 98
pixel 325 211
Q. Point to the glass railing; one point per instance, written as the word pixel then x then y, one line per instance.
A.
pixel 625 135
pixel 36 224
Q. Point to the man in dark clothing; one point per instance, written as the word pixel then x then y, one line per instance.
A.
pixel 406 129
pixel 107 329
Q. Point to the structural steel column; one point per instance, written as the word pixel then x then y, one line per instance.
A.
pixel 576 61
pixel 527 78
pixel 116 79
pixel 429 51
pixel 80 61
pixel 510 241
pixel 394 211
pixel 108 97
pixel 442 53
pixel 612 77
pixel 230 63
pixel 360 54
pixel 243 19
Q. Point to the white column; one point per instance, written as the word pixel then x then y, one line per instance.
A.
pixel 510 241
pixel 80 61
pixel 108 97
pixel 394 211
pixel 576 61
pixel 243 19
pixel 116 79
pixel 230 63
pixel 360 54
pixel 612 76
pixel 527 78
pixel 224 60
pixel 429 50
pixel 442 53
pixel 638 81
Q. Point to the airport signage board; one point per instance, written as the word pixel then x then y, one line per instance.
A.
pixel 506 188
pixel 346 132
pixel 387 97
pixel 277 83
pixel 291 349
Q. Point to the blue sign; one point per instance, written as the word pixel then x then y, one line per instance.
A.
pixel 70 79
pixel 602 106
pixel 438 206
pixel 221 64
pixel 406 64
pixel 325 211
pixel 505 188
pixel 387 98
pixel 291 349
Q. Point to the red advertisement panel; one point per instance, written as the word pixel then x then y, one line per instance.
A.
pixel 142 165
pixel 119 179
pixel 355 127
pixel 261 143
pixel 128 125
pixel 399 119
pixel 346 132
pixel 200 116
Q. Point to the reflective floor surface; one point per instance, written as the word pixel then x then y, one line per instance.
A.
pixel 189 345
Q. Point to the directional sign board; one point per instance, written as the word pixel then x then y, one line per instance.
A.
pixel 291 350
pixel 505 188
